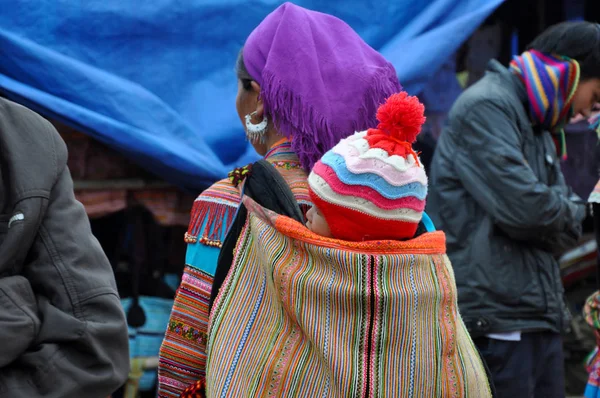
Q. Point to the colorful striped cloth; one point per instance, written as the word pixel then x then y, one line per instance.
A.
pixel 591 312
pixel 182 356
pixel 550 81
pixel 592 389
pixel 300 315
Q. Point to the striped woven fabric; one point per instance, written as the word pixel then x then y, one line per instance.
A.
pixel 182 358
pixel 304 316
pixel 550 82
pixel 183 352
pixel 591 312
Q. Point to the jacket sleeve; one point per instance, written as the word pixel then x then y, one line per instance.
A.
pixel 81 347
pixel 559 243
pixel 492 168
pixel 182 358
pixel 19 321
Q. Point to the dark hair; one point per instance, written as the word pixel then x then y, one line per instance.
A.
pixel 242 72
pixel 577 40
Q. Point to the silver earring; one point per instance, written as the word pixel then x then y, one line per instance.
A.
pixel 256 132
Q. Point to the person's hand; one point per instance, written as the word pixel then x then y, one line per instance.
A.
pixel 579 117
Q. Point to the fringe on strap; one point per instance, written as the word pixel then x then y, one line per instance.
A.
pixel 212 214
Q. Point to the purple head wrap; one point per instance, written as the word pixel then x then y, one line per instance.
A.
pixel 320 82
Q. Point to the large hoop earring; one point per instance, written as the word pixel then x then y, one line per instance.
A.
pixel 256 132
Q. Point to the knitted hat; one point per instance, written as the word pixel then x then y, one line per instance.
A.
pixel 371 185
pixel 320 82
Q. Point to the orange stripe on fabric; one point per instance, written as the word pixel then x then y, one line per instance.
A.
pixel 429 243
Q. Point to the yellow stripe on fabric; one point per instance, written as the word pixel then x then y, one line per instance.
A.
pixel 576 75
pixel 555 115
pixel 556 86
pixel 536 78
pixel 552 75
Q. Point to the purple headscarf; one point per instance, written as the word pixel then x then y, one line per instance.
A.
pixel 320 82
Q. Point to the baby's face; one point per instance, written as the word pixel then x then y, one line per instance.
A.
pixel 317 223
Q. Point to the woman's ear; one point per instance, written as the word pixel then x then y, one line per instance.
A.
pixel 260 109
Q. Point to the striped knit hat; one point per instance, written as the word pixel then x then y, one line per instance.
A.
pixel 371 186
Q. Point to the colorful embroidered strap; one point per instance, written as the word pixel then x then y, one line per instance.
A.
pixel 550 82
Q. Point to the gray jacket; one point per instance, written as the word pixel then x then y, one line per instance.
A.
pixel 63 333
pixel 497 190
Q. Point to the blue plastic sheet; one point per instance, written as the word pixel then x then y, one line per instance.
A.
pixel 155 79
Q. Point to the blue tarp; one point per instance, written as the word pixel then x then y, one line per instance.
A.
pixel 155 80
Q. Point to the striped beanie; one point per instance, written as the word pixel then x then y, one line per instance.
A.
pixel 372 186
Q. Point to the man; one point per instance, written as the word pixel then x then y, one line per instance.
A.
pixel 62 330
pixel 497 191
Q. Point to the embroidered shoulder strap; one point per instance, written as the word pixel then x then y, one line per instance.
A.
pixel 428 223
pixel 212 214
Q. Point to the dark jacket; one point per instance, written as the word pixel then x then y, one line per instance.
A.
pixel 62 330
pixel 497 191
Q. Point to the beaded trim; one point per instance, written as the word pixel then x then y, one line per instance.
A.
pixel 214 210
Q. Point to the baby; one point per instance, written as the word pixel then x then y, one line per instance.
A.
pixel 371 186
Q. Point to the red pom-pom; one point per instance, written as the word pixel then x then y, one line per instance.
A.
pixel 401 116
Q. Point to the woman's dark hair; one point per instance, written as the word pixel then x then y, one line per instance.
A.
pixel 577 40
pixel 242 72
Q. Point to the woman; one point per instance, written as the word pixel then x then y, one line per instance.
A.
pixel 305 80
pixel 359 302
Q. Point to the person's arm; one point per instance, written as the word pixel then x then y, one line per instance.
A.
pixel 559 243
pixel 81 347
pixel 19 321
pixel 490 164
pixel 182 358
